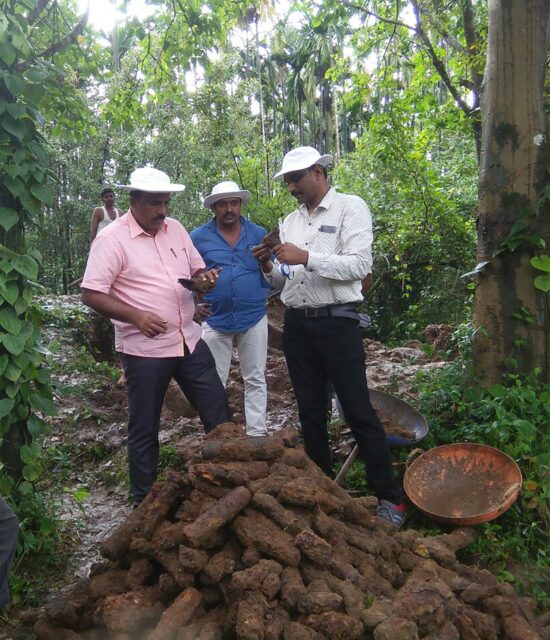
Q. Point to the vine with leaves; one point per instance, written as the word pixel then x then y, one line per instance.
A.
pixel 25 388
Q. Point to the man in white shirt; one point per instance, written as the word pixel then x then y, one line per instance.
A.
pixel 103 216
pixel 325 253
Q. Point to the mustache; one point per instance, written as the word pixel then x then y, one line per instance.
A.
pixel 159 217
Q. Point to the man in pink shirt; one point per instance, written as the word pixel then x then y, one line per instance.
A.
pixel 132 277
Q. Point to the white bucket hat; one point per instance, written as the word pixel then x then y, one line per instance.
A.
pixel 152 181
pixel 224 190
pixel 302 158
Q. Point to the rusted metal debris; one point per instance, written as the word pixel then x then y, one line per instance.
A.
pixel 255 543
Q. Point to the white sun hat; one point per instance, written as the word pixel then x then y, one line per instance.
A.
pixel 228 189
pixel 302 158
pixel 152 181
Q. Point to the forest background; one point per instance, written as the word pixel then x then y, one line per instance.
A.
pixel 436 113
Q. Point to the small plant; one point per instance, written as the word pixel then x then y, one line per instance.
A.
pixel 37 549
pixel 61 316
pixel 356 478
pixel 114 471
pixel 169 459
pixel 369 600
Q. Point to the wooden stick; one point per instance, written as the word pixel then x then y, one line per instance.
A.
pixel 75 282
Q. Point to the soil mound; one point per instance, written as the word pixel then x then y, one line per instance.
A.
pixel 255 543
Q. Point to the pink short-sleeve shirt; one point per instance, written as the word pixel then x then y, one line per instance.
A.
pixel 142 270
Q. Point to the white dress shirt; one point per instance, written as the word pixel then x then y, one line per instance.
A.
pixel 338 237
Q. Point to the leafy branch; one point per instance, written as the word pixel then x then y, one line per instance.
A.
pixel 56 47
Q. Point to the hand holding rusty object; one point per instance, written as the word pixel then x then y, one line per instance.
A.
pixel 272 239
pixel 201 282
pixel 289 253
pixel 262 253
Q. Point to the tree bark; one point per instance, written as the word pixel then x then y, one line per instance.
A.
pixel 510 314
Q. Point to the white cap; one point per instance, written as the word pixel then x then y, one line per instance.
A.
pixel 152 181
pixel 224 190
pixel 302 158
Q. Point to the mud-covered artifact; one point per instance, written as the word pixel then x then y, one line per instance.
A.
pixel 254 542
pixel 272 239
pixel 199 284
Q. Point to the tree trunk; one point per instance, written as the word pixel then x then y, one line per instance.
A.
pixel 261 101
pixel 335 115
pixel 511 315
pixel 300 122
pixel 471 36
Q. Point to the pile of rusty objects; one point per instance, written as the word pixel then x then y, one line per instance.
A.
pixel 253 542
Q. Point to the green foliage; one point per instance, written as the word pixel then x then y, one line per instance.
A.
pixel 25 190
pixel 38 546
pixel 169 459
pixel 413 156
pixel 542 263
pixel 423 223
pixel 25 394
pixel 520 235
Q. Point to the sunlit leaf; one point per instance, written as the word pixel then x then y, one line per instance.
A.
pixel 542 263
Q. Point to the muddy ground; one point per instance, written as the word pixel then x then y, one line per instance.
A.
pixel 90 428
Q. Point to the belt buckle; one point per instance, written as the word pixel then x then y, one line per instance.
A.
pixel 310 312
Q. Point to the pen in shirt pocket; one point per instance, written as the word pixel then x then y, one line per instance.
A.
pixel 183 250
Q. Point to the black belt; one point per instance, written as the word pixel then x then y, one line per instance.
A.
pixel 348 310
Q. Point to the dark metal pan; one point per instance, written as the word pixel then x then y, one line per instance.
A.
pixel 404 425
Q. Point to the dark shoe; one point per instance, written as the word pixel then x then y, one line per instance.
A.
pixel 393 513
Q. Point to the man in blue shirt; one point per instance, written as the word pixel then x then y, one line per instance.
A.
pixel 237 314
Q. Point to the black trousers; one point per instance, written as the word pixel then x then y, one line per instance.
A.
pixel 9 530
pixel 319 350
pixel 147 380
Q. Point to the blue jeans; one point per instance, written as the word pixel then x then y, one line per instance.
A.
pixel 9 530
pixel 147 380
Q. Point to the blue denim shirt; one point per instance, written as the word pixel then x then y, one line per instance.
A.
pixel 238 301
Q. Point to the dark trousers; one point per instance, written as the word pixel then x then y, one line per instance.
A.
pixel 319 350
pixel 9 530
pixel 147 380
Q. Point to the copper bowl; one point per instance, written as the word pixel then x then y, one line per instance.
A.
pixel 463 484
